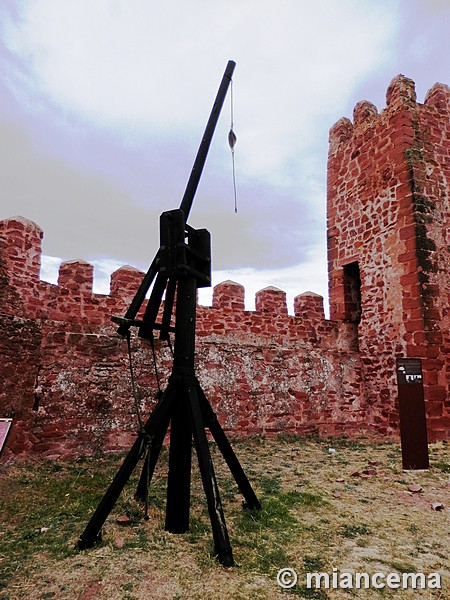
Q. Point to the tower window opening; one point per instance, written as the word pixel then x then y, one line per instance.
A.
pixel 352 292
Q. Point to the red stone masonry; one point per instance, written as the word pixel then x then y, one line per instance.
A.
pixel 65 377
pixel 388 242
pixel 64 371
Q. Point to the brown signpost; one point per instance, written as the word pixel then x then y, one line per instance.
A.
pixel 413 425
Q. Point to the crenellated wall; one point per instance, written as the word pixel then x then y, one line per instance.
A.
pixel 389 245
pixel 64 371
pixel 67 375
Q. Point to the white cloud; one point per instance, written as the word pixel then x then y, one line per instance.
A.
pixel 133 65
pixel 130 85
pixel 310 276
pixel 50 268
pixel 294 280
pixel 103 268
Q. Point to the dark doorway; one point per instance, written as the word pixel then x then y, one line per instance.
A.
pixel 352 292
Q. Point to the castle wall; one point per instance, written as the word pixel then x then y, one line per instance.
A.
pixel 66 372
pixel 388 213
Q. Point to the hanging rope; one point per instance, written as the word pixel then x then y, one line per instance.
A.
pixel 146 440
pixel 155 366
pixel 169 344
pixel 133 385
pixel 232 139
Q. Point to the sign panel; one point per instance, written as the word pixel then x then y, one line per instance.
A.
pixel 413 424
pixel 5 426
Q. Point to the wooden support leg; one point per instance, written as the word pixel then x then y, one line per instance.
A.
pixel 92 532
pixel 151 459
pixel 210 419
pixel 179 478
pixel 222 544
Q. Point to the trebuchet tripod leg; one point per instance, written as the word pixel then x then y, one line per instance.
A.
pixel 152 457
pixel 92 532
pixel 210 419
pixel 179 477
pixel 222 544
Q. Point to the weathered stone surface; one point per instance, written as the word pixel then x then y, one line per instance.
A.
pixel 65 374
pixel 68 384
pixel 389 212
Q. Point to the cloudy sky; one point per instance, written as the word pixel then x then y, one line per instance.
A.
pixel 103 104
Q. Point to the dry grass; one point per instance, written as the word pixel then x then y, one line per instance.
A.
pixel 317 515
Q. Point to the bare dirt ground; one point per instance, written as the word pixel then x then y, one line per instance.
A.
pixel 326 504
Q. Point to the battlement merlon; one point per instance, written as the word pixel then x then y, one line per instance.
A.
pixel 76 276
pixel 400 96
pixel 20 261
pixel 20 248
pixel 229 295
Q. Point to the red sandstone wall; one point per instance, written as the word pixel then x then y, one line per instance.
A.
pixel 429 164
pixel 64 371
pixel 388 210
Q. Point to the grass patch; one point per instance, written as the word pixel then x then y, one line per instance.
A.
pixel 352 530
pixel 442 465
pixel 315 516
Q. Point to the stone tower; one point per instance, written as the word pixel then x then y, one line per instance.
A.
pixel 389 244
